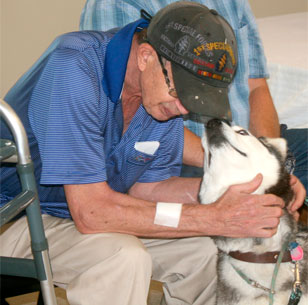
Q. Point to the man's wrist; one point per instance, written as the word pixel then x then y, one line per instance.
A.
pixel 168 214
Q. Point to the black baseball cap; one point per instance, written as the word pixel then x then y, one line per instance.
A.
pixel 202 49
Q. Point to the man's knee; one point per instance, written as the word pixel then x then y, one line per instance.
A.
pixel 134 252
pixel 123 251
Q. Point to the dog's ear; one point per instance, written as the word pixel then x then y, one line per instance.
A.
pixel 280 144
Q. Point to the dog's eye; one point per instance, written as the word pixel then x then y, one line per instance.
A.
pixel 243 132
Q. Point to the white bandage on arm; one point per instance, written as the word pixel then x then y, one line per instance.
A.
pixel 168 214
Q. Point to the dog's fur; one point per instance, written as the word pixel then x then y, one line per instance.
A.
pixel 232 156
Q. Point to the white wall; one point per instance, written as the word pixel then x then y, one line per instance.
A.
pixel 264 8
pixel 28 26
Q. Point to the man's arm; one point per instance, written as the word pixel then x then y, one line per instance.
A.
pixel 97 208
pixel 263 115
pixel 193 153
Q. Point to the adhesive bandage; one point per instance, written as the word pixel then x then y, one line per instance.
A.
pixel 168 214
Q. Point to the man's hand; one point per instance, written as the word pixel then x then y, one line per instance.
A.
pixel 299 197
pixel 243 214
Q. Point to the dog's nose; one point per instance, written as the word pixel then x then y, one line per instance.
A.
pixel 214 123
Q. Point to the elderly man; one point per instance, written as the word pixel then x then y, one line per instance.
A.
pixel 101 111
pixel 249 96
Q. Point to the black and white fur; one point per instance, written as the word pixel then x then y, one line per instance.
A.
pixel 233 155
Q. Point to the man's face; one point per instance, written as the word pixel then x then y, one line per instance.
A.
pixel 155 92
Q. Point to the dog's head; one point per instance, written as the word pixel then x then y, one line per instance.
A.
pixel 233 155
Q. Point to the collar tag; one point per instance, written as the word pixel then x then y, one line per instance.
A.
pixel 296 251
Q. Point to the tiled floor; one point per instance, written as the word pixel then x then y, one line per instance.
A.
pixel 154 298
pixel 31 298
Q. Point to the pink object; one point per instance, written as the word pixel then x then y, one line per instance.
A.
pixel 297 253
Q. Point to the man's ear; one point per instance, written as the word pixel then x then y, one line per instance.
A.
pixel 145 54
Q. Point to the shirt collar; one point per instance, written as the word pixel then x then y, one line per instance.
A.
pixel 116 58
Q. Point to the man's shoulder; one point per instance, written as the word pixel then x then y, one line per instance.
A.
pixel 81 40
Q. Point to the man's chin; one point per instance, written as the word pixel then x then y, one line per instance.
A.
pixel 163 118
pixel 162 114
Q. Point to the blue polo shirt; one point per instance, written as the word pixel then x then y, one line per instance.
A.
pixel 70 105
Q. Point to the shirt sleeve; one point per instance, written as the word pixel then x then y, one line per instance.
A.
pixel 65 115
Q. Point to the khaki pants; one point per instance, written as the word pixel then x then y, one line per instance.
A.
pixel 116 269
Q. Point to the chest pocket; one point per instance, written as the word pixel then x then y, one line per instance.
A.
pixel 121 179
pixel 140 158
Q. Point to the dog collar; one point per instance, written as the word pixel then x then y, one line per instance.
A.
pixel 255 284
pixel 264 258
pixel 296 254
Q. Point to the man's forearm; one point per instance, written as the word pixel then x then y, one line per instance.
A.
pixel 175 189
pixel 263 115
pixel 193 152
pixel 96 208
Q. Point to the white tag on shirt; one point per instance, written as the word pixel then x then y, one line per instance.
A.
pixel 147 147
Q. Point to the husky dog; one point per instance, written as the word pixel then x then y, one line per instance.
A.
pixel 233 155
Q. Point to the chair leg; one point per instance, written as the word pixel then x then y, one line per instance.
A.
pixel 47 285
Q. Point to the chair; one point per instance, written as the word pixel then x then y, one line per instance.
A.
pixel 39 267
